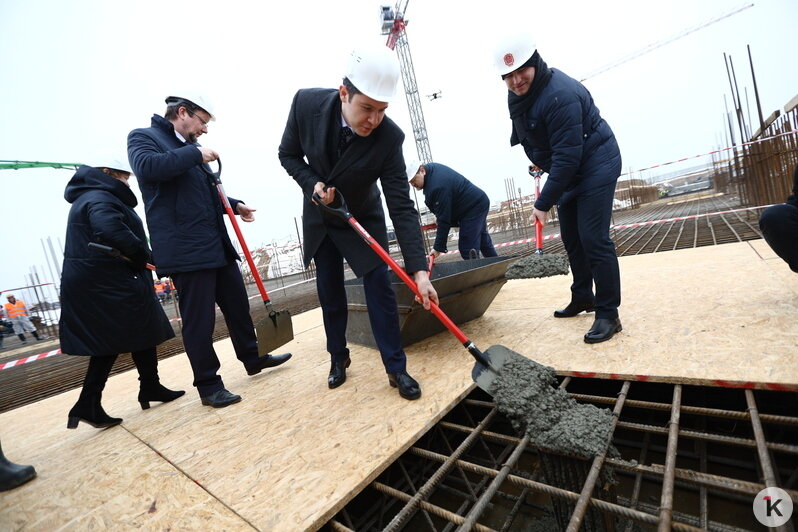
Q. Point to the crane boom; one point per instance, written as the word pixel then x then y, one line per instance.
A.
pixel 653 46
pixel 17 165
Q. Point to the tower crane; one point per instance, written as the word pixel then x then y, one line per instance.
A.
pixel 393 25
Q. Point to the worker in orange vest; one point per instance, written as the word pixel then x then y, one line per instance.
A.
pixel 159 291
pixel 17 314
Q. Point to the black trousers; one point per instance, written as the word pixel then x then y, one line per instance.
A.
pixel 99 368
pixel 199 292
pixel 380 302
pixel 779 225
pixel 474 235
pixel 585 227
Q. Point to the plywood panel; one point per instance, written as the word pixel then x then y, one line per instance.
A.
pixel 294 452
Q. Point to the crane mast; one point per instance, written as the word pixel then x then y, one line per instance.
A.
pixel 393 25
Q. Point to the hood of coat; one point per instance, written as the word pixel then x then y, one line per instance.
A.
pixel 88 178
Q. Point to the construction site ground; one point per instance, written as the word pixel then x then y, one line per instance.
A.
pixel 293 452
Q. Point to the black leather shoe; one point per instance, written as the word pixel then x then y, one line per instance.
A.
pixel 221 399
pixel 408 387
pixel 575 308
pixel 337 374
pixel 267 361
pixel 602 330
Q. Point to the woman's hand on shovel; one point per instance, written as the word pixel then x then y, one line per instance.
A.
pixel 539 215
pixel 425 288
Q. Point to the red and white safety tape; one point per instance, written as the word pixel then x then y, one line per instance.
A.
pixel 31 358
pixel 793 132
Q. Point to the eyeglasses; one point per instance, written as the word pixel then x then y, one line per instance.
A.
pixel 203 122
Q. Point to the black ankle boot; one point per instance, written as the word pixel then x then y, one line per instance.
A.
pixel 89 410
pixel 13 475
pixel 155 391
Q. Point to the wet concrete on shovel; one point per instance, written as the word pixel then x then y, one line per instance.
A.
pixel 535 266
pixel 526 392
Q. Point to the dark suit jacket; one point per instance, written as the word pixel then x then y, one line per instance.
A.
pixel 307 152
pixel 184 213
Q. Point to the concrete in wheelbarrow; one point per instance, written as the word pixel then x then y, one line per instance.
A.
pixel 292 453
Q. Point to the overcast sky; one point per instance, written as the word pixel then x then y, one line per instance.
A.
pixel 78 76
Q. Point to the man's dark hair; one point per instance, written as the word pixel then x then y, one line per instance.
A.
pixel 351 89
pixel 173 108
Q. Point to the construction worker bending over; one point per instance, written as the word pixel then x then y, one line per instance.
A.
pixel 17 314
pixel 190 243
pixel 561 130
pixel 779 225
pixel 456 202
pixel 341 140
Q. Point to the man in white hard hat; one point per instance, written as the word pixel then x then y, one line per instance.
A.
pixel 339 140
pixel 456 202
pixel 555 120
pixel 190 243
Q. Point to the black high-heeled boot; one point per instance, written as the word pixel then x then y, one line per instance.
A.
pixel 155 391
pixel 13 475
pixel 150 388
pixel 88 408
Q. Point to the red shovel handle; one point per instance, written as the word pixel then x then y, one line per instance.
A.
pixel 538 223
pixel 342 211
pixel 229 209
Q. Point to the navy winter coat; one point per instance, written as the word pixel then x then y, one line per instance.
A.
pixel 451 198
pixel 108 306
pixel 566 136
pixel 183 210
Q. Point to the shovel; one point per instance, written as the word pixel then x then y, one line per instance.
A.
pixel 488 365
pixel 538 223
pixel 115 253
pixel 277 328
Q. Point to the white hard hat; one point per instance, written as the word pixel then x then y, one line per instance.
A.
pixel 412 168
pixel 192 97
pixel 512 51
pixel 374 71
pixel 112 163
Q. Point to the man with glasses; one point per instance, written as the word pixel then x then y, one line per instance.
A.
pixel 190 243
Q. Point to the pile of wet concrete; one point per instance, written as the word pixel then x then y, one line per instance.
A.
pixel 536 266
pixel 567 434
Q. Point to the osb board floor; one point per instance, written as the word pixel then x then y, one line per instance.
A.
pixel 293 452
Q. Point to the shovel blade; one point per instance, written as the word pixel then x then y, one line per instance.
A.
pixel 273 331
pixel 497 355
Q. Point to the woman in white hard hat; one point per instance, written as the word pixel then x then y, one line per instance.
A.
pixel 555 120
pixel 108 302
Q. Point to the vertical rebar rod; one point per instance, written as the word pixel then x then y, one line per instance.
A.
pixel 413 490
pixel 494 486
pixel 638 478
pixel 666 502
pixel 756 91
pixel 428 486
pixel 592 476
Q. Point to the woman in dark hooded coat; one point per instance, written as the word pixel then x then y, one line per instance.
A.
pixel 108 303
pixel 555 120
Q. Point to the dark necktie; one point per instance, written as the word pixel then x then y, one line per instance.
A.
pixel 344 136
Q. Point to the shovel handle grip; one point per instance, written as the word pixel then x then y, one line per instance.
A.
pixel 115 253
pixel 217 180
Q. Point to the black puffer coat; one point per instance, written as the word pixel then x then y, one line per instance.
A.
pixel 108 306
pixel 563 133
